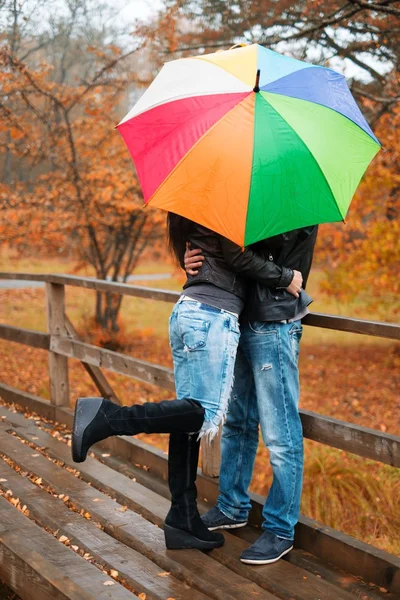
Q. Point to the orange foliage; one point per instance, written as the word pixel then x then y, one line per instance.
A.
pixel 79 189
pixel 363 257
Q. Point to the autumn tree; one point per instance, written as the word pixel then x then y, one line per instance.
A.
pixel 360 36
pixel 362 258
pixel 73 183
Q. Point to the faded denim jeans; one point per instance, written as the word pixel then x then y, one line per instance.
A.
pixel 204 342
pixel 266 391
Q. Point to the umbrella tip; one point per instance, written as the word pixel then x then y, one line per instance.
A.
pixel 256 88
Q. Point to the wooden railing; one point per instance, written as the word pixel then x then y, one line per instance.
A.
pixel 62 342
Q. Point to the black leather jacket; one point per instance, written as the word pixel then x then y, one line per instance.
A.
pixel 294 250
pixel 227 265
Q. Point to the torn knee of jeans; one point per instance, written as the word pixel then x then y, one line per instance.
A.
pixel 266 367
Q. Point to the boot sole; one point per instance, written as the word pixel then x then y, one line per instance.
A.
pixel 177 539
pixel 85 411
pixel 249 561
pixel 235 526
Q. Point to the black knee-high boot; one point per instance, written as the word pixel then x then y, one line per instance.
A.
pixel 183 526
pixel 97 419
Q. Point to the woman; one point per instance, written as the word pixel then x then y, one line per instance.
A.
pixel 204 334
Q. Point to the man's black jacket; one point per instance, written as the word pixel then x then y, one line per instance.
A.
pixel 294 250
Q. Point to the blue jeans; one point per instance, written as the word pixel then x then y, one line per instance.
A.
pixel 266 391
pixel 204 342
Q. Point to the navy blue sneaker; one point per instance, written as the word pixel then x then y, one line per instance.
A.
pixel 215 519
pixel 267 549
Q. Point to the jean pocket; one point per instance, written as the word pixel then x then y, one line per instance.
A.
pixel 194 332
pixel 262 327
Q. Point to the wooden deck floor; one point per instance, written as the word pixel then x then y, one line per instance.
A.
pixel 97 533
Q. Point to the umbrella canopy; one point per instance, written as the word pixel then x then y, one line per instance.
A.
pixel 249 142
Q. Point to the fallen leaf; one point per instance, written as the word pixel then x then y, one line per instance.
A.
pixel 164 574
pixel 76 548
pixel 106 455
pixel 113 573
pixel 122 509
pixel 3 480
pixel 142 596
pixel 63 538
pixel 35 455
pixel 109 582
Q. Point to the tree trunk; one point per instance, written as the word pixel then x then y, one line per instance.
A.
pixel 108 306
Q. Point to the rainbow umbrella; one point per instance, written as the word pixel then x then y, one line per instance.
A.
pixel 249 142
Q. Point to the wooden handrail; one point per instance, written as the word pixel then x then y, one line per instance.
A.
pixel 356 439
pixel 336 323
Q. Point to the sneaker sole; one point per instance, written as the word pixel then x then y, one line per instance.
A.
pixel 249 561
pixel 235 526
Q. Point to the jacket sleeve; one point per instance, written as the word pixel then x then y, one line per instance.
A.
pixel 252 265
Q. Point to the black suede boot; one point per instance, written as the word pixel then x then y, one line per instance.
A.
pixel 96 419
pixel 183 526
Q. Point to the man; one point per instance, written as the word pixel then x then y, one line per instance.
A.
pixel 265 392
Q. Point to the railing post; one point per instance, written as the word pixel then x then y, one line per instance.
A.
pixel 58 365
pixel 211 456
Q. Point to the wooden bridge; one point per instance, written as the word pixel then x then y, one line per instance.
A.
pixel 96 532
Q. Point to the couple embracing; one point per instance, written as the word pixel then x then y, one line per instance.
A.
pixel 242 376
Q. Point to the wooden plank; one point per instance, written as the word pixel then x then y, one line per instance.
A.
pixel 58 365
pixel 95 373
pixel 298 557
pixel 24 276
pixel 356 439
pixel 135 531
pixel 27 401
pixel 127 492
pixel 361 559
pixel 283 580
pixel 114 361
pixel 38 567
pixel 116 288
pixel 336 548
pixel 27 337
pixel 139 572
pixel 375 328
pixel 328 542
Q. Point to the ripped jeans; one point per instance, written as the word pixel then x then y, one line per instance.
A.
pixel 204 342
pixel 266 392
